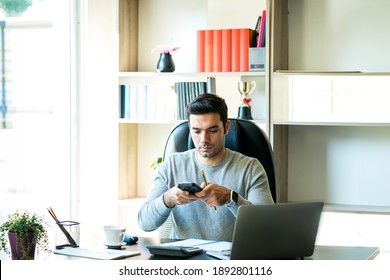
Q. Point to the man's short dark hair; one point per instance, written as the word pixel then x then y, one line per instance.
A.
pixel 208 103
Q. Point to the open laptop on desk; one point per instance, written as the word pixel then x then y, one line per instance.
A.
pixel 278 231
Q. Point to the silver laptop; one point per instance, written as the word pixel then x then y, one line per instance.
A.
pixel 278 231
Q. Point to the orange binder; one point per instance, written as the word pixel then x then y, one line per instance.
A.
pixel 200 50
pixel 226 50
pixel 217 50
pixel 236 50
pixel 245 41
pixel 208 51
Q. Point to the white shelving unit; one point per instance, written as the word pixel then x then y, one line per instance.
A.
pixel 141 140
pixel 330 92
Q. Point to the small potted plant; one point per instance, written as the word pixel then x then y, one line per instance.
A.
pixel 25 233
pixel 165 62
pixel 14 7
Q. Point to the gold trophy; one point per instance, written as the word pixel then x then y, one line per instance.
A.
pixel 245 88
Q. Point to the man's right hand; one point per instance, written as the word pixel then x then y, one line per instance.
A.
pixel 176 196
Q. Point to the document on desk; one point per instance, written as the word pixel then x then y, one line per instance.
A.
pixel 207 245
pixel 94 253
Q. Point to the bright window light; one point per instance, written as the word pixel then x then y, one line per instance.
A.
pixel 35 115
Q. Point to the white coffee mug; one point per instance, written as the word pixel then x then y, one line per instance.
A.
pixel 115 235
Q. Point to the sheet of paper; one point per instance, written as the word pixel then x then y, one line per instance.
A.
pixel 217 246
pixel 207 245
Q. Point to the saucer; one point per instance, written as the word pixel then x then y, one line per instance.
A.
pixel 117 247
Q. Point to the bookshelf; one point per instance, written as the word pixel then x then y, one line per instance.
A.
pixel 328 103
pixel 147 23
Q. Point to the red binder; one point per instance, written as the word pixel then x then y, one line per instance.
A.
pixel 208 51
pixel 245 39
pixel 261 38
pixel 236 50
pixel 200 50
pixel 226 50
pixel 217 51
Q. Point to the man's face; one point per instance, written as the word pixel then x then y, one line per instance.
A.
pixel 208 134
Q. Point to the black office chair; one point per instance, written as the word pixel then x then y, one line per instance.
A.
pixel 244 136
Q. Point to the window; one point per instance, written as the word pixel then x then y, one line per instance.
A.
pixel 36 137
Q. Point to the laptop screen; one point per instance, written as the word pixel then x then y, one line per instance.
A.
pixel 277 231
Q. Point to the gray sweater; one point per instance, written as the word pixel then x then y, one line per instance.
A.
pixel 237 172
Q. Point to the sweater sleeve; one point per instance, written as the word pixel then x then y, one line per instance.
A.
pixel 154 212
pixel 256 188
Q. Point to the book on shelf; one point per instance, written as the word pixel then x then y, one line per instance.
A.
pixel 142 101
pixel 200 50
pixel 133 101
pixel 257 27
pixel 235 50
pixel 247 39
pixel 261 37
pixel 217 50
pixel 125 101
pixel 209 51
pixel 151 102
pixel 241 42
pixel 185 92
pixel 226 50
pixel 264 35
pixel 160 102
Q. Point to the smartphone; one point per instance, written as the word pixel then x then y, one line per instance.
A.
pixel 192 188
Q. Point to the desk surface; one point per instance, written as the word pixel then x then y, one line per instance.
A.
pixel 320 252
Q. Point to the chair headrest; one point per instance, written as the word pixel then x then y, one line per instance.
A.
pixel 232 141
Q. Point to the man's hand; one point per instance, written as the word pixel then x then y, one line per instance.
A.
pixel 176 196
pixel 213 194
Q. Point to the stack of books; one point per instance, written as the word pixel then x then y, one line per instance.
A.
pixel 147 102
pixel 186 91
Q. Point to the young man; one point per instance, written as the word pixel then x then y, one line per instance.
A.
pixel 233 179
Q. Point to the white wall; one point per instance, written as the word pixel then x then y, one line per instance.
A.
pixel 346 35
pixel 342 165
pixel 173 24
pixel 98 163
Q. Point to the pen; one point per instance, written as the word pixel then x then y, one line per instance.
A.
pixel 205 180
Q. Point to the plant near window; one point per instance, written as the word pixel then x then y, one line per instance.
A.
pixel 25 233
pixel 14 7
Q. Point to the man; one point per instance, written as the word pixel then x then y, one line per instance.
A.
pixel 233 179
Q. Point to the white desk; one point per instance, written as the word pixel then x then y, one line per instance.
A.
pixel 320 252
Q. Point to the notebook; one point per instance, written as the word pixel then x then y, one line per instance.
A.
pixel 278 231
